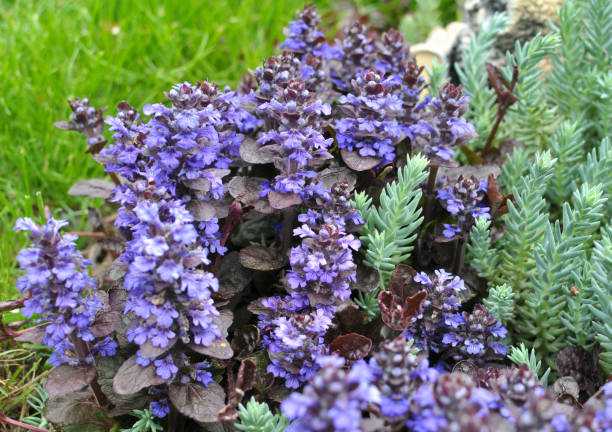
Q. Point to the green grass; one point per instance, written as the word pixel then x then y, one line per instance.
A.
pixel 109 51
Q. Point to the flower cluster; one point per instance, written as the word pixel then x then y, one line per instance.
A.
pixel 475 335
pixel 322 267
pixel 333 400
pixel 441 126
pixel 293 337
pixel 304 37
pixel 294 140
pixel 176 366
pixel 399 373
pixel 356 49
pixel 59 289
pixel 88 121
pixel 456 402
pixel 168 295
pixel 464 201
pixel 391 56
pixel 322 270
pixel 370 126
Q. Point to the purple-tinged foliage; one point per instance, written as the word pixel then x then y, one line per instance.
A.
pixel 369 127
pixel 168 295
pixel 463 200
pixel 442 127
pixel 58 287
pixel 333 400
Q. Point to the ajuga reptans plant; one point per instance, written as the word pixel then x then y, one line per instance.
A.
pixel 339 245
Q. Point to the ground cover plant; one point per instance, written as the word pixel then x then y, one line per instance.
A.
pixel 339 243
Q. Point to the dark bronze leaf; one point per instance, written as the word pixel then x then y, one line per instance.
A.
pixel 246 190
pixel 201 210
pixel 260 258
pixel 358 163
pixel 247 375
pixel 233 277
pixel 131 377
pixel 352 346
pixel 250 152
pixel 245 340
pixel 65 379
pixel 106 323
pixel 397 313
pixel 401 282
pixel 92 188
pixel 281 201
pixel 148 350
pixel 71 409
pixel 331 176
pixel 198 402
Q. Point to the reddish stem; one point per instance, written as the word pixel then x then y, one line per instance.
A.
pixel 234 217
pixel 10 421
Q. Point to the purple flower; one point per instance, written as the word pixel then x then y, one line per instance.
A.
pixel 463 200
pixel 60 290
pixel 333 400
pixel 369 127
pixel 160 408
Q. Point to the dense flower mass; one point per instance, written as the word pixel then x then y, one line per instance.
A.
pixel 356 48
pixel 399 372
pixel 304 36
pixel 333 400
pixel 59 289
pixel 370 127
pixel 463 200
pixel 168 295
pixel 293 139
pixel 442 127
pixel 294 339
pixel 322 267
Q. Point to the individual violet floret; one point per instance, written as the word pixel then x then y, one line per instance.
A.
pixel 169 296
pixel 59 289
pixel 333 400
pixel 463 200
pixel 442 127
pixel 370 128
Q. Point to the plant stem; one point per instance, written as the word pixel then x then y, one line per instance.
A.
pixel 82 350
pixel 459 255
pixel 429 197
pixel 10 421
pixel 288 216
